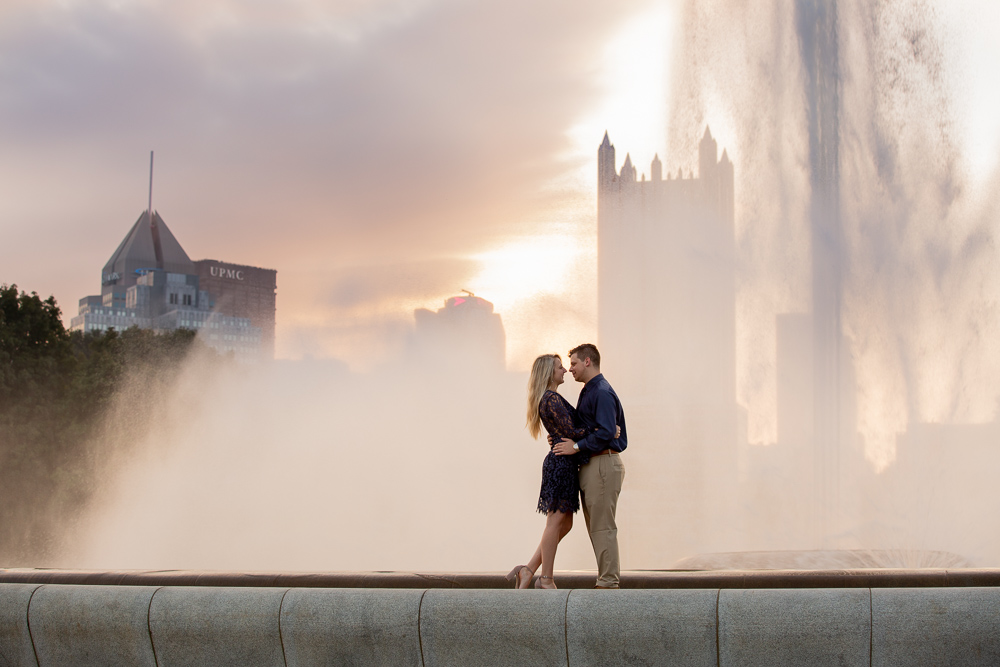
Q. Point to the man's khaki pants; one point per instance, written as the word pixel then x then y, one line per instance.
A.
pixel 600 483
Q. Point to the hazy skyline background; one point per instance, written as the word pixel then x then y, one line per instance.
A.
pixel 383 155
pixel 380 155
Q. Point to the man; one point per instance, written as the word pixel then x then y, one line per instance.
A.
pixel 601 478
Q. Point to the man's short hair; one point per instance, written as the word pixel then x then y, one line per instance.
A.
pixel 587 351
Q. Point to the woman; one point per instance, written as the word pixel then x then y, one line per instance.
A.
pixel 560 495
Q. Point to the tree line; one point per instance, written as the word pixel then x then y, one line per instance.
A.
pixel 59 392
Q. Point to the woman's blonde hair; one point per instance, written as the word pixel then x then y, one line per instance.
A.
pixel 541 375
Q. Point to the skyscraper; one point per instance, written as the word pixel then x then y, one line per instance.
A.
pixel 466 332
pixel 150 282
pixel 667 327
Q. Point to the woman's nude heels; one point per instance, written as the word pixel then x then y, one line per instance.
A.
pixel 517 577
pixel 540 583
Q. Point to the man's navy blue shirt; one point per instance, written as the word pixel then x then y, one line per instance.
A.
pixel 600 411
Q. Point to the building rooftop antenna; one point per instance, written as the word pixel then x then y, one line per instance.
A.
pixel 149 207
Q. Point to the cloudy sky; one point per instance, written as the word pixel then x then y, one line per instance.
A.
pixel 380 154
pixel 383 155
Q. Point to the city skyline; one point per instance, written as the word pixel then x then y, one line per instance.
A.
pixel 370 195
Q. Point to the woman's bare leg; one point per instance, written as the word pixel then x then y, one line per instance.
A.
pixel 536 559
pixel 557 524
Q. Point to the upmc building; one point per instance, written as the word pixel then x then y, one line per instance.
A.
pixel 151 283
pixel 242 291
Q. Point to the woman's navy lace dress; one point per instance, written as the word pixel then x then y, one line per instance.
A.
pixel 560 480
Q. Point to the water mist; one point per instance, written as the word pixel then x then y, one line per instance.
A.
pixel 866 276
pixel 865 315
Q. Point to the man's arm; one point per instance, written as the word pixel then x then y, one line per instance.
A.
pixel 565 446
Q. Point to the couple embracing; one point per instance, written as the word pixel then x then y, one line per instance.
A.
pixel 583 462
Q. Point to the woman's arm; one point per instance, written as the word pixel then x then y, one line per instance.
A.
pixel 553 440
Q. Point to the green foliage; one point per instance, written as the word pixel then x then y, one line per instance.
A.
pixel 33 343
pixel 56 389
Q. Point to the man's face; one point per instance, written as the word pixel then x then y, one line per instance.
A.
pixel 578 368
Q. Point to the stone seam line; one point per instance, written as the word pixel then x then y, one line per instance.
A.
pixel 149 625
pixel 871 628
pixel 281 638
pixel 565 625
pixel 27 621
pixel 718 648
pixel 420 638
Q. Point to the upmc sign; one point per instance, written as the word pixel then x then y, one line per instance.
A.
pixel 222 272
pixel 236 276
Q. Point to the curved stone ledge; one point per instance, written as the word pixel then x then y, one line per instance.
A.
pixel 678 627
pixel 92 626
pixel 345 626
pixel 493 627
pixel 16 649
pixel 817 627
pixel 222 627
pixel 952 622
pixel 203 625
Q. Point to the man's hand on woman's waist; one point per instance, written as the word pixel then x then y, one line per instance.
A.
pixel 565 447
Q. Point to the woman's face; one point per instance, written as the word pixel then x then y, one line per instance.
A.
pixel 558 372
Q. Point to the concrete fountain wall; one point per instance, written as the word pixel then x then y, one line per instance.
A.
pixel 925 623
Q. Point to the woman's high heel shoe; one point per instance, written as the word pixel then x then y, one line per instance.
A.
pixel 540 583
pixel 516 575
